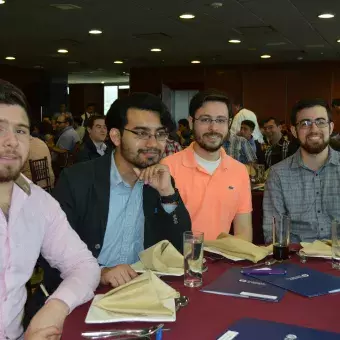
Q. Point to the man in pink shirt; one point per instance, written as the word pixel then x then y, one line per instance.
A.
pixel 32 222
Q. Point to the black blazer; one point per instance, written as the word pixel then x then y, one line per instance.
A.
pixel 83 192
pixel 88 151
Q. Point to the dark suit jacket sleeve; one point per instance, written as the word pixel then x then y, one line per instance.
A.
pixel 82 156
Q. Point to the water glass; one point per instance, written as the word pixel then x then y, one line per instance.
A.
pixel 281 237
pixel 336 244
pixel 193 258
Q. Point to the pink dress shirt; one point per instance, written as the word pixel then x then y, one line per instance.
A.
pixel 37 224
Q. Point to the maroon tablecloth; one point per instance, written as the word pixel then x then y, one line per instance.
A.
pixel 209 315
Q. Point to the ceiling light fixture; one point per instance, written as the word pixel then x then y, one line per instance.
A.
pixel 195 62
pixel 103 82
pixel 234 41
pixel 95 31
pixel 10 58
pixel 326 16
pixel 265 56
pixel 62 50
pixel 156 50
pixel 338 41
pixel 299 58
pixel 118 62
pixel 187 16
pixel 2 2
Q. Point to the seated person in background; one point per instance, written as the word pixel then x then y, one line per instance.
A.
pixel 32 222
pixel 94 142
pixel 184 132
pixel 171 147
pixel 214 187
pixel 247 129
pixel 68 137
pixel 241 114
pixel 306 186
pixel 77 121
pixel 38 150
pixel 238 148
pixel 279 148
pixel 124 202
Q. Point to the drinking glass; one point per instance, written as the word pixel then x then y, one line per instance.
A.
pixel 281 237
pixel 336 244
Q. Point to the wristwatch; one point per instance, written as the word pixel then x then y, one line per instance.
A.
pixel 171 198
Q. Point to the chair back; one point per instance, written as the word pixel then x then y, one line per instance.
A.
pixel 40 173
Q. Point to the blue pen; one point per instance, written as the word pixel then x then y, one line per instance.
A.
pixel 159 334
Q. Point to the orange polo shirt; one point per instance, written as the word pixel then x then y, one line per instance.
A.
pixel 212 200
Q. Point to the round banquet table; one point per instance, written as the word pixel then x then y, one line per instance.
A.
pixel 207 316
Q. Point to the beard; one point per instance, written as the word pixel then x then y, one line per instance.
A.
pixel 138 159
pixel 9 172
pixel 209 146
pixel 314 147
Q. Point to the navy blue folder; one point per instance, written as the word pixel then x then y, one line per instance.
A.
pixel 233 283
pixel 268 330
pixel 303 280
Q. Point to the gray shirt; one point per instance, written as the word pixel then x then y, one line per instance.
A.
pixel 310 198
pixel 68 139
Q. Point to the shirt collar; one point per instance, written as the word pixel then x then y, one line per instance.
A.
pixel 189 157
pixel 115 177
pixel 333 158
pixel 24 184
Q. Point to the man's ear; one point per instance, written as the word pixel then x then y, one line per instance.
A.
pixel 88 129
pixel 191 122
pixel 293 130
pixel 115 136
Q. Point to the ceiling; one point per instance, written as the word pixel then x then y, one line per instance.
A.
pixel 33 31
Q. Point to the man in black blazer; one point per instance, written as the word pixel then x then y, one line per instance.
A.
pixel 125 201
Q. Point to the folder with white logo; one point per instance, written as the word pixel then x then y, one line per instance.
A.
pixel 302 280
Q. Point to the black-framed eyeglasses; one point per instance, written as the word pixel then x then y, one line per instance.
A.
pixel 160 136
pixel 307 123
pixel 208 120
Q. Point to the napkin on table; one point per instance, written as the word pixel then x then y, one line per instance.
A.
pixel 317 248
pixel 144 295
pixel 162 257
pixel 233 246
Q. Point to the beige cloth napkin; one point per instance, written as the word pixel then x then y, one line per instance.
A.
pixel 233 246
pixel 317 248
pixel 144 295
pixel 162 257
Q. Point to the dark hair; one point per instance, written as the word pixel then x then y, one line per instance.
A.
pixel 92 119
pixel 68 118
pixel 90 104
pixel 307 104
pixel 336 102
pixel 212 95
pixel 276 121
pixel 116 117
pixel 78 120
pixel 11 95
pixel 184 122
pixel 249 123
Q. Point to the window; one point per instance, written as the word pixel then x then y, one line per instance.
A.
pixel 111 94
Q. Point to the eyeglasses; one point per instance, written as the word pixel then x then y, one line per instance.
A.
pixel 208 120
pixel 307 123
pixel 160 136
pixel 57 122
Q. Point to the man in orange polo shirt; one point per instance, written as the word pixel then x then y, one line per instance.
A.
pixel 214 187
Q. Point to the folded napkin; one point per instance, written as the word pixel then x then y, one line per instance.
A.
pixel 162 257
pixel 233 246
pixel 317 248
pixel 144 295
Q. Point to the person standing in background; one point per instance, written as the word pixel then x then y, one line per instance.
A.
pixel 89 111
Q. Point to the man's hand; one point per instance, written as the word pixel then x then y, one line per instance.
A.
pixel 118 275
pixel 52 314
pixel 43 334
pixel 157 176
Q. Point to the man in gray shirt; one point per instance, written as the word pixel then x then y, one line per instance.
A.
pixel 306 185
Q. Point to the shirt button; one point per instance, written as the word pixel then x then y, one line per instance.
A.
pixel 317 192
pixel 321 228
pixel 319 211
pixel 97 246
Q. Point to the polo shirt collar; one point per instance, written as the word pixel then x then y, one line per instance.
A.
pixel 189 160
pixel 24 184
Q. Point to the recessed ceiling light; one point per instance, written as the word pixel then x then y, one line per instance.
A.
pixel 10 58
pixel 156 50
pixel 326 16
pixel 103 82
pixel 195 62
pixel 95 31
pixel 187 16
pixel 299 58
pixel 338 41
pixel 38 66
pixel 118 62
pixel 265 56
pixel 62 50
pixel 2 2
pixel 234 41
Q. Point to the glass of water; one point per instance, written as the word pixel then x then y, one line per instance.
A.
pixel 193 258
pixel 336 244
